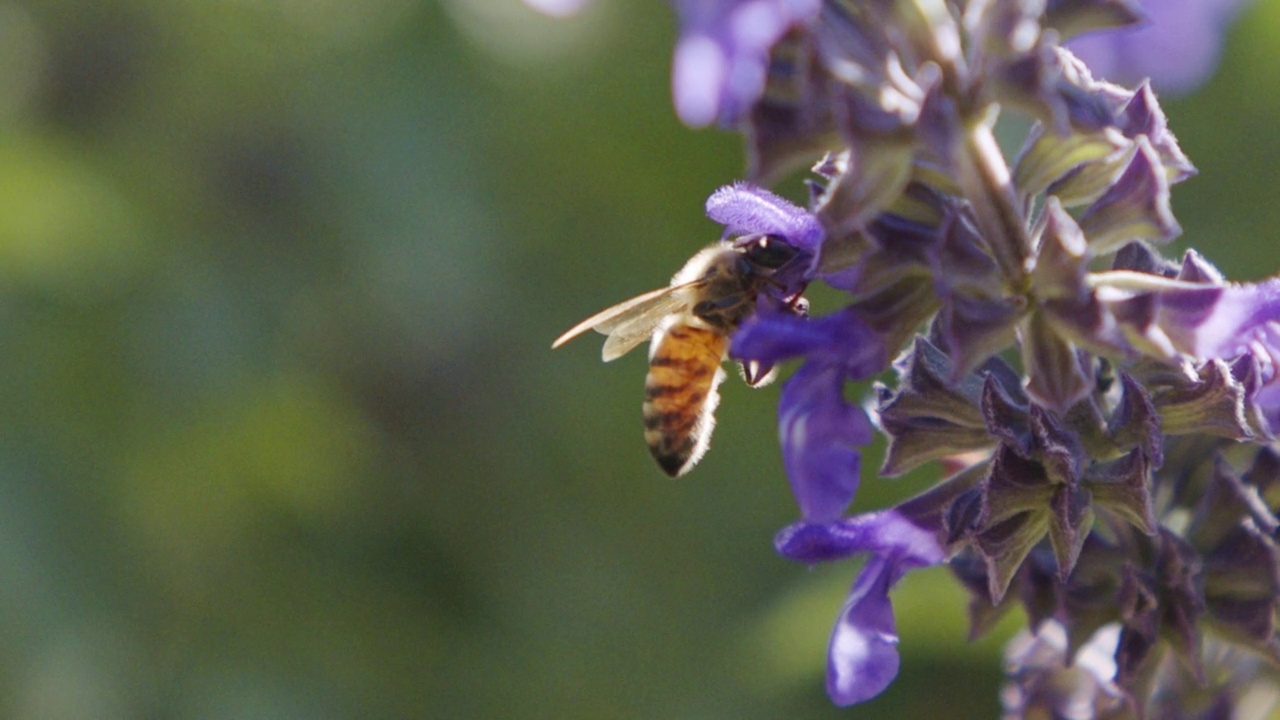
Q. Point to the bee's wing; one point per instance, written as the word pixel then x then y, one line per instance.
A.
pixel 609 318
pixel 637 327
pixel 630 321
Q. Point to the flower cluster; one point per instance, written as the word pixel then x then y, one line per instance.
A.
pixel 1106 416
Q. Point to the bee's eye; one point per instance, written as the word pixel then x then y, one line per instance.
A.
pixel 769 251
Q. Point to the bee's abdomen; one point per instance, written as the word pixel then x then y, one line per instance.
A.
pixel 680 395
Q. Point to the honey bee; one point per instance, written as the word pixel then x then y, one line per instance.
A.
pixel 689 324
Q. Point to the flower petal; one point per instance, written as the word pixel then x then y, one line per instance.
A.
pixel 747 210
pixel 1221 322
pixel 886 532
pixel 721 58
pixel 863 658
pixel 840 339
pixel 821 435
pixel 1178 48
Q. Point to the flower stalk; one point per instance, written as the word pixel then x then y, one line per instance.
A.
pixel 1103 419
pixel 989 189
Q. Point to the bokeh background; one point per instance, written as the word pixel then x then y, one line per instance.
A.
pixel 280 432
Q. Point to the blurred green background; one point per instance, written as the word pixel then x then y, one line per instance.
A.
pixel 280 432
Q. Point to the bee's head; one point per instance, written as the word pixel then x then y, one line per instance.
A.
pixel 766 251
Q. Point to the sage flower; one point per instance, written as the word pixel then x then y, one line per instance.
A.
pixel 721 58
pixel 862 658
pixel 1176 45
pixel 1104 418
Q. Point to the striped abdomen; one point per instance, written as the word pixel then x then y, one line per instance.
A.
pixel 680 395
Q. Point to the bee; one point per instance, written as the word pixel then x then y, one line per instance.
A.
pixel 689 324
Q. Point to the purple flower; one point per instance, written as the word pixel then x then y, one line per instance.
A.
pixel 1230 321
pixel 1224 321
pixel 1095 484
pixel 745 209
pixel 748 212
pixel 723 54
pixel 1049 678
pixel 820 432
pixel 1177 47
pixel 862 658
